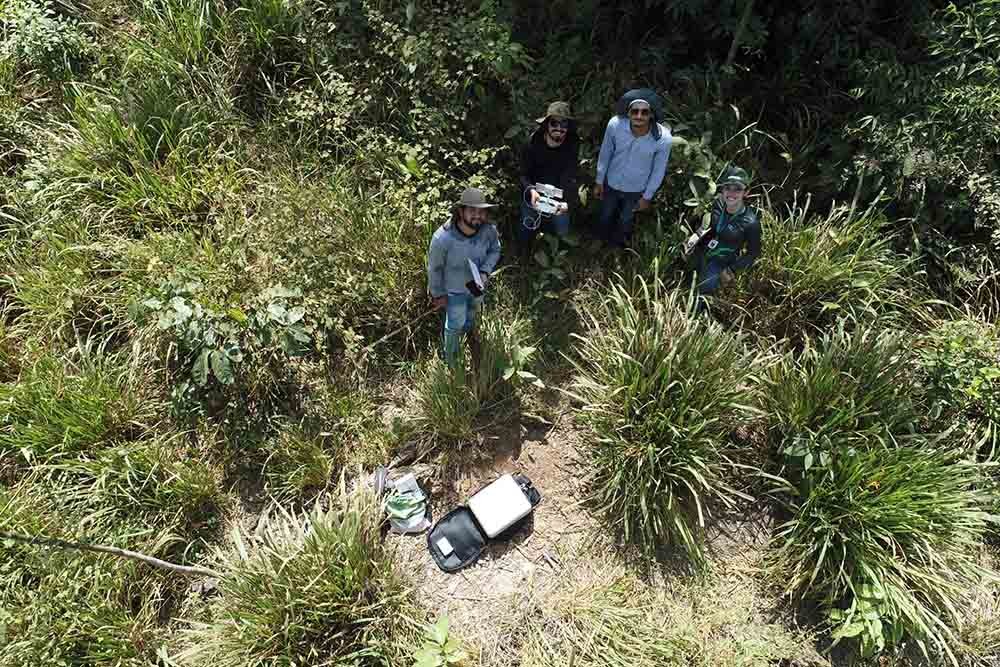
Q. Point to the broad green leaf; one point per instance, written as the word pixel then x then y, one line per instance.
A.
pixel 427 658
pixel 850 630
pixel 181 307
pixel 200 370
pixel 440 630
pixel 238 315
pixel 221 367
pixel 276 312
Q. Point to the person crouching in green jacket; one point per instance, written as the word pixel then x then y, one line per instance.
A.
pixel 735 235
pixel 463 253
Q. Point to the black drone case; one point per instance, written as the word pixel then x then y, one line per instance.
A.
pixel 467 535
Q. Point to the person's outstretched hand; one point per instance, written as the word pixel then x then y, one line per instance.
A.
pixel 599 190
pixel 643 204
pixel 439 302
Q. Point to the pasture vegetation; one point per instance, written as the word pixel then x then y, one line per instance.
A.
pixel 213 225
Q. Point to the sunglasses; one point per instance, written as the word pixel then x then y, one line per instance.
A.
pixel 559 124
pixel 638 112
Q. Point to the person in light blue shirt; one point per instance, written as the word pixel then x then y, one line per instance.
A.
pixel 468 240
pixel 631 164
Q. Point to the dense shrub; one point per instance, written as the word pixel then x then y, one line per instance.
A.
pixel 960 360
pixel 34 36
pixel 661 393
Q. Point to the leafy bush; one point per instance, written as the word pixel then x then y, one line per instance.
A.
pixel 885 540
pixel 210 347
pixel 960 360
pixel 662 391
pixel 361 272
pixel 810 273
pixel 34 36
pixel 440 648
pixel 315 589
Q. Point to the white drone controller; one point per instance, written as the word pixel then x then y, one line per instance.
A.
pixel 548 203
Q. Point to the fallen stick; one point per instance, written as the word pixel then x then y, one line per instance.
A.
pixel 187 570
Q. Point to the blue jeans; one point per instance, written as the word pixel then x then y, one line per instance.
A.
pixel 556 223
pixel 617 214
pixel 709 276
pixel 459 318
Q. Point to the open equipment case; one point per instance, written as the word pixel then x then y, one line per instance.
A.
pixel 459 537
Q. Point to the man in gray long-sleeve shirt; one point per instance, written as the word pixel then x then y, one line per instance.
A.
pixel 462 250
pixel 631 164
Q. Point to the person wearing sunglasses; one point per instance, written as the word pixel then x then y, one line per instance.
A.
pixel 735 235
pixel 631 164
pixel 550 157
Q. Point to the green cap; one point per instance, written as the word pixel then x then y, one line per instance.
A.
pixel 735 176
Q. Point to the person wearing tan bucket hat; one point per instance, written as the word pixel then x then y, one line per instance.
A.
pixel 463 253
pixel 550 157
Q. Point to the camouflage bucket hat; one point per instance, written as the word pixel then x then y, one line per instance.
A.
pixel 556 110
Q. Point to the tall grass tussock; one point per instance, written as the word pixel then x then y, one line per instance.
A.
pixel 314 589
pixel 816 270
pixel 662 391
pixel 883 520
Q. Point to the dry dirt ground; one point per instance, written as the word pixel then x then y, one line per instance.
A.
pixel 492 604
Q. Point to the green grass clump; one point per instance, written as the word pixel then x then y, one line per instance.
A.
pixel 813 272
pixel 450 400
pixel 56 410
pixel 883 525
pixel 65 288
pixel 886 541
pixel 662 391
pixel 297 463
pixel 148 479
pixel 76 608
pixel 446 404
pixel 317 589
